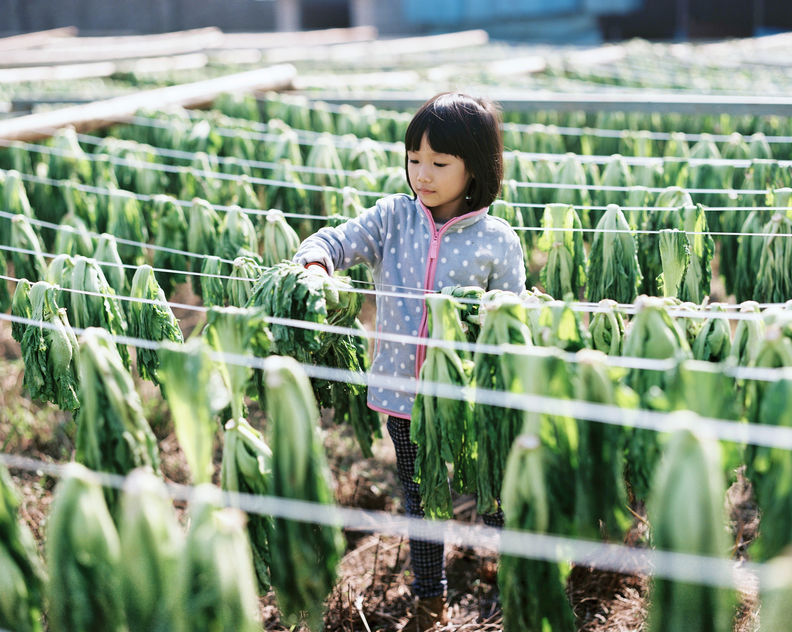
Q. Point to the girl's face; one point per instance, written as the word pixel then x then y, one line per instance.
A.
pixel 439 180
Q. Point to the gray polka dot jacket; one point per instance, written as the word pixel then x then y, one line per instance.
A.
pixel 408 255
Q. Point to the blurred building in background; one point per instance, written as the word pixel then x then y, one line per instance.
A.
pixel 523 20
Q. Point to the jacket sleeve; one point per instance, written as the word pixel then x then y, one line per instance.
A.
pixel 358 240
pixel 509 272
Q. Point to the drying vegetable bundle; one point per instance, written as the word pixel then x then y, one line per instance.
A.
pixel 685 509
pixel 152 544
pixel 442 427
pixel 217 589
pixel 613 270
pixel 150 319
pixel 303 555
pixel 247 468
pixel 112 433
pixel 195 392
pixel 83 558
pixel 653 334
pixel 49 350
pixel 532 591
pixel 22 575
pixel 93 302
pixel 564 273
pixel 505 323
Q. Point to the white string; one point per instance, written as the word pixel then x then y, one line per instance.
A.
pixel 728 430
pixel 530 127
pixel 525 544
pixel 339 141
pixel 155 166
pixel 119 240
pixel 144 197
pixel 634 134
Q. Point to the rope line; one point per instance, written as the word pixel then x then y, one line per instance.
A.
pixel 614 557
pixel 721 429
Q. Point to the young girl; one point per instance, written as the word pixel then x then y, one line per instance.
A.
pixel 442 236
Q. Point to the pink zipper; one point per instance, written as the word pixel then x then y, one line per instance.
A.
pixel 431 268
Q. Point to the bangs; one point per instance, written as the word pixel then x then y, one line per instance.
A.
pixel 444 125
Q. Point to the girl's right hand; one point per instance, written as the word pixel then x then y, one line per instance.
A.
pixel 315 265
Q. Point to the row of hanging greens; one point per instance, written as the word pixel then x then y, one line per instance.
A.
pixel 753 265
pixel 117 560
pixel 76 292
pixel 588 472
pixel 626 133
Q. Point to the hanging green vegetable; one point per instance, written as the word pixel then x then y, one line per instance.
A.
pixel 212 281
pixel 107 252
pixel 241 332
pixel 125 222
pixel 601 498
pixel 245 271
pixel 21 307
pixel 685 509
pixel 653 334
pixel 674 199
pixel 304 556
pixel 23 578
pixel 279 240
pixel 247 469
pixel 216 584
pixel 564 273
pixel 774 276
pixel 151 320
pixel 203 234
pixel 171 233
pixel 607 328
pixel 443 428
pixel 713 342
pixel 613 271
pixel 152 544
pixel 696 285
pixel 83 558
pixel 237 235
pixel 532 590
pixel 29 264
pixel 50 351
pixel 505 323
pixel 93 302
pixel 675 258
pixel 112 432
pixel 195 392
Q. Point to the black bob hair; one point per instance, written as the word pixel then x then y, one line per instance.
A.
pixel 466 127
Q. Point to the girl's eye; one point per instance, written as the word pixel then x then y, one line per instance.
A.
pixel 440 164
pixel 413 161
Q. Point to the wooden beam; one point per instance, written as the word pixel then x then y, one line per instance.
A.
pixel 274 39
pixel 36 38
pixel 644 101
pixel 102 113
pixel 114 49
pixel 379 48
pixel 69 72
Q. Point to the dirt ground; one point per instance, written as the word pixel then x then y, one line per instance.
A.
pixel 373 589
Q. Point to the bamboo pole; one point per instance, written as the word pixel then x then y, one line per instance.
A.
pixel 107 112
pixel 114 49
pixel 67 72
pixel 643 101
pixel 36 38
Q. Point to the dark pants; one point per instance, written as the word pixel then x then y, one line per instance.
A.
pixel 428 564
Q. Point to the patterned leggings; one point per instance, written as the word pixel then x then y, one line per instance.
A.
pixel 428 564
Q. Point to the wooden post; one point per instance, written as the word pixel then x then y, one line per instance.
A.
pixel 362 13
pixel 111 111
pixel 287 15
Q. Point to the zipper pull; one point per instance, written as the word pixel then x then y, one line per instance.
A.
pixel 434 246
